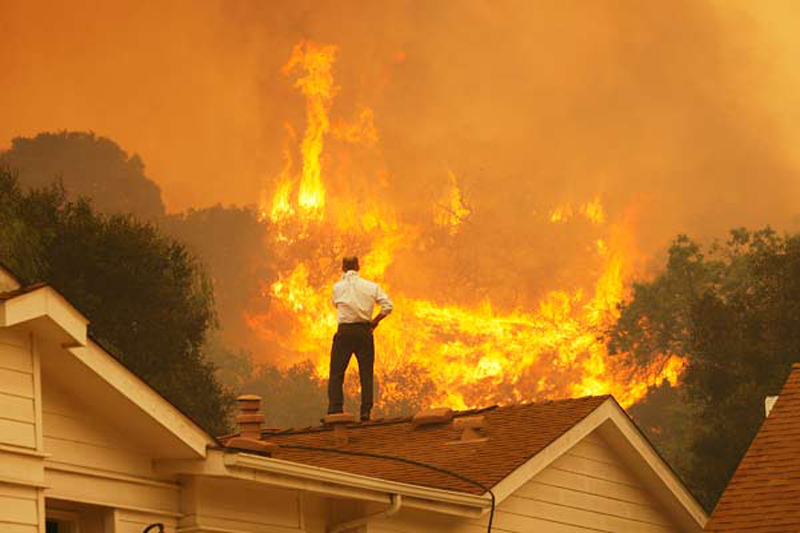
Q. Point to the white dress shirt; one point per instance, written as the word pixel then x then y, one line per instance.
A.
pixel 355 298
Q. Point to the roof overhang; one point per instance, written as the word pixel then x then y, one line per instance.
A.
pixel 287 474
pixel 68 355
pixel 48 312
pixel 611 421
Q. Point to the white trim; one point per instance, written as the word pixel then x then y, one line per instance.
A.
pixel 659 467
pixel 114 505
pixel 22 451
pixel 297 476
pixel 45 302
pixel 36 359
pixel 550 453
pixel 56 466
pixel 137 391
pixel 23 482
pixel 289 468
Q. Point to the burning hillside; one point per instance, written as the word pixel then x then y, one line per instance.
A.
pixel 477 342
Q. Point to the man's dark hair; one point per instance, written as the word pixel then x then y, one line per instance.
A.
pixel 349 263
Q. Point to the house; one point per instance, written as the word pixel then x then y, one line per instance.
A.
pixel 764 492
pixel 87 447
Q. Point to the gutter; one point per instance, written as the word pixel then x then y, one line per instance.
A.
pixel 397 502
pixel 317 479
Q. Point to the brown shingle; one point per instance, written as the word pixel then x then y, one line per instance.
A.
pixel 764 493
pixel 513 434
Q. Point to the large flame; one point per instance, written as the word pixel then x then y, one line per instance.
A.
pixel 474 354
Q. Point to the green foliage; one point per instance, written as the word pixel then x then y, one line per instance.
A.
pixel 734 313
pixel 231 243
pixel 91 166
pixel 147 299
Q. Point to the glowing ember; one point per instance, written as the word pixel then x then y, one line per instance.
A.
pixel 475 354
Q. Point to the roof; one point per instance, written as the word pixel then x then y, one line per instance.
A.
pixel 514 434
pixel 764 493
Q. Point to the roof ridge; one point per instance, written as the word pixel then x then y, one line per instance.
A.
pixel 409 418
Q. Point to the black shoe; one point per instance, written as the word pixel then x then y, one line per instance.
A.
pixel 365 418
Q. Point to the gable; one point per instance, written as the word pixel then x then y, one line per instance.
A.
pixel 589 488
pixel 76 434
pixel 113 394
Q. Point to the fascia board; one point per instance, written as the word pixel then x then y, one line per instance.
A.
pixel 293 475
pixel 45 302
pixel 695 516
pixel 142 395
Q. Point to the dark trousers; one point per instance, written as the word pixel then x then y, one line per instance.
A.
pixel 351 339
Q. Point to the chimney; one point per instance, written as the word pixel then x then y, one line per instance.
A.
pixel 249 419
pixel 339 422
pixel 769 403
pixel 471 427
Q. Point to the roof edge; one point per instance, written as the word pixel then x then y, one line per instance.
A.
pixel 414 495
pixel 550 453
pixel 694 513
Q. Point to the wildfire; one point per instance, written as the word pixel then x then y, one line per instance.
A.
pixel 474 354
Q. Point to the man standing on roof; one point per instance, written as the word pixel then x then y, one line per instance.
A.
pixel 355 299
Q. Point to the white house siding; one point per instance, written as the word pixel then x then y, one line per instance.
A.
pixel 17 391
pixel 588 489
pixel 92 461
pixel 218 504
pixel 19 509
pixel 21 472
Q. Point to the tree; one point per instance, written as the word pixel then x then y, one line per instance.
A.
pixel 146 297
pixel 87 165
pixel 231 242
pixel 733 311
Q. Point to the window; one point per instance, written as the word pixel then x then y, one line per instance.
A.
pixel 61 522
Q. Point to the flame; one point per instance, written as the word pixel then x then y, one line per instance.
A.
pixel 475 354
pixel 316 83
pixel 451 210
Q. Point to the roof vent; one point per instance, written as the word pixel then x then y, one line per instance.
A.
pixel 339 422
pixel 769 403
pixel 428 417
pixel 249 421
pixel 471 427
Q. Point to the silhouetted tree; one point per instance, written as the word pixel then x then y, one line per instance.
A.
pixel 147 298
pixel 87 165
pixel 734 312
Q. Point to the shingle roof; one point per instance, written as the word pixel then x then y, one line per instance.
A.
pixel 764 493
pixel 513 434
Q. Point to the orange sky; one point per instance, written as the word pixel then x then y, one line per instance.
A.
pixel 688 107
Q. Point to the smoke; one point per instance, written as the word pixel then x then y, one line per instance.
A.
pixel 667 111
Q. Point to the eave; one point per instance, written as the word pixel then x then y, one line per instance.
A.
pixel 286 474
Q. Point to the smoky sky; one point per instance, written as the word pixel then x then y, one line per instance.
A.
pixel 665 110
